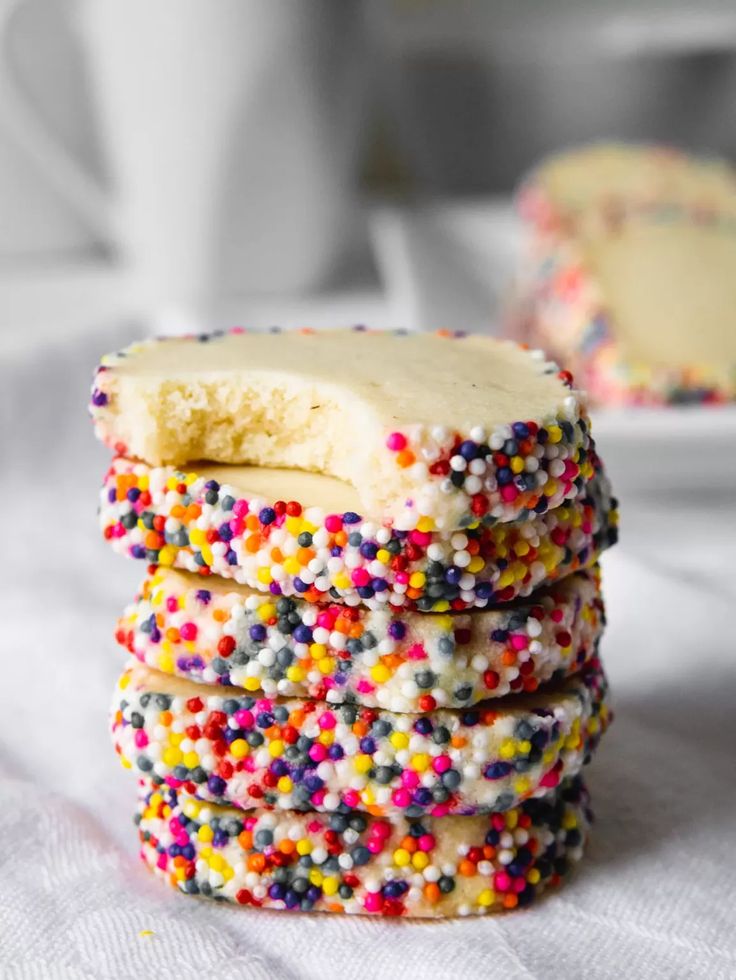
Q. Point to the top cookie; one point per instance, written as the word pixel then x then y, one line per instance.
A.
pixel 432 430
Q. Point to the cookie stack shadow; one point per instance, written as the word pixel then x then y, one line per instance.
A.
pixel 368 698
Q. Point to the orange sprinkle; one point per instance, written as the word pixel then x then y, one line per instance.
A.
pixel 432 893
pixel 166 718
pixel 178 511
pixel 287 846
pixel 256 862
pixel 305 555
pixel 510 901
pixel 245 839
pixel 508 658
pixel 253 543
pixel 458 741
pixel 219 615
pixel 405 458
pixel 193 512
pixel 467 868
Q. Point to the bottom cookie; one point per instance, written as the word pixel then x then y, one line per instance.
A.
pixel 356 863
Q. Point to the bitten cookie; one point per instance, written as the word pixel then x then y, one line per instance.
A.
pixel 298 754
pixel 631 252
pixel 299 534
pixel 216 631
pixel 355 863
pixel 425 427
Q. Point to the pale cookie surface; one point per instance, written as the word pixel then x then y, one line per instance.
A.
pixel 298 534
pixel 439 429
pixel 299 754
pixel 217 632
pixel 630 277
pixel 355 863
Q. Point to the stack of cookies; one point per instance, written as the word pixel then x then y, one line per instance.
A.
pixel 364 670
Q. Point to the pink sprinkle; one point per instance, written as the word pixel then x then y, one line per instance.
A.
pixel 333 523
pixel 172 603
pixel 401 798
pixel 237 526
pixel 519 641
pixel 441 810
pixel 162 861
pixel 327 721
pixel 410 779
pixel 373 901
pixel 141 739
pixel 318 797
pixel 426 842
pixel 501 881
pixel 382 829
pixel 518 885
pixel 556 615
pixel 498 821
pixel 549 779
pixel 314 827
pixel 244 718
pixel 365 687
pixel 416 652
pixel 318 752
pixel 241 508
pixel 420 538
pixel 374 845
pixel 188 631
pixel 402 578
pixel 441 763
pixel 360 577
pixel 509 493
pixel 396 442
pixel 351 798
pixel 325 620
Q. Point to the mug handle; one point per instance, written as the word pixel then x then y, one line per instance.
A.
pixel 19 119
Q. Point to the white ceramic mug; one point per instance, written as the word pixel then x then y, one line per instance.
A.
pixel 230 131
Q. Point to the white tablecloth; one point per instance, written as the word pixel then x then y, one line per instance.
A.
pixel 655 896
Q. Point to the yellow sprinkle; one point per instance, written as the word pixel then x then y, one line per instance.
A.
pixel 171 756
pixel 420 762
pixel 239 748
pixel 401 857
pixel 486 897
pixel 330 886
pixel 363 763
pixel 205 833
pixel 508 749
pixel 144 933
pixel 276 748
pixel 399 740
pixel 420 860
pixel 285 784
pixel 380 673
pixel 167 555
pixel 303 847
pixel 417 580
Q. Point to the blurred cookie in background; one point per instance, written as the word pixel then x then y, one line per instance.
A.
pixel 629 273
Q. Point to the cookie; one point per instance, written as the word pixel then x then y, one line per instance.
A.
pixel 289 533
pixel 299 754
pixel 217 632
pixel 357 863
pixel 629 278
pixel 429 429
